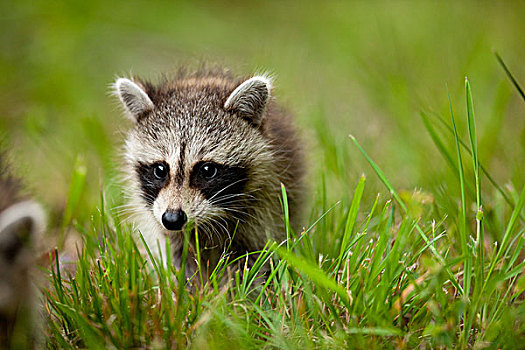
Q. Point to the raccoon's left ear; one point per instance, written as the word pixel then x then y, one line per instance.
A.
pixel 21 226
pixel 249 99
pixel 135 100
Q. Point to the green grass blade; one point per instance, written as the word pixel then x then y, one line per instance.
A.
pixel 437 141
pixel 316 274
pixel 380 174
pixel 475 161
pixel 479 261
pixel 382 332
pixel 351 218
pixel 463 213
pixel 394 193
pixel 76 188
pixel 485 172
pixel 507 236
pixel 472 130
pixel 511 77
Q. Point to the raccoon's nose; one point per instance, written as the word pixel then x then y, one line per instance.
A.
pixel 174 219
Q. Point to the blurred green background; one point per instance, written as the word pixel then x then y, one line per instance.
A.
pixel 365 68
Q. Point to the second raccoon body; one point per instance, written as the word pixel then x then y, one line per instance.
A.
pixel 21 226
pixel 209 150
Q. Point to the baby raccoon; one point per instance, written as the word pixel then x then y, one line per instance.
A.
pixel 21 222
pixel 209 150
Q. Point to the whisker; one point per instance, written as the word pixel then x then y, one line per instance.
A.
pixel 226 187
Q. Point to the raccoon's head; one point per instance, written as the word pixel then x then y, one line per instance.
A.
pixel 197 151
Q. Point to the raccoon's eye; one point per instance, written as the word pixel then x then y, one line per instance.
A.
pixel 160 171
pixel 208 170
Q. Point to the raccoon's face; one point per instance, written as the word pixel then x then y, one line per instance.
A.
pixel 192 152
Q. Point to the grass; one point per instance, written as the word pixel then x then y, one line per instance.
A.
pixel 396 277
pixel 415 232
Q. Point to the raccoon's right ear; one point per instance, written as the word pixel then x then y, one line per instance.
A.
pixel 135 100
pixel 249 99
pixel 21 226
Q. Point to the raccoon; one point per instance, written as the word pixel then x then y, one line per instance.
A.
pixel 21 223
pixel 211 151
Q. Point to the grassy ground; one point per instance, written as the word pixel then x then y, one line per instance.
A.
pixel 435 260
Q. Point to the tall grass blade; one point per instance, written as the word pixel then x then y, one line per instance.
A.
pixel 351 219
pixel 76 188
pixel 485 172
pixel 511 77
pixel 507 236
pixel 479 242
pixel 286 216
pixel 462 227
pixel 437 141
pixel 398 199
pixel 480 239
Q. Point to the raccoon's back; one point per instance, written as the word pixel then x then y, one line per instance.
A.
pixel 9 186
